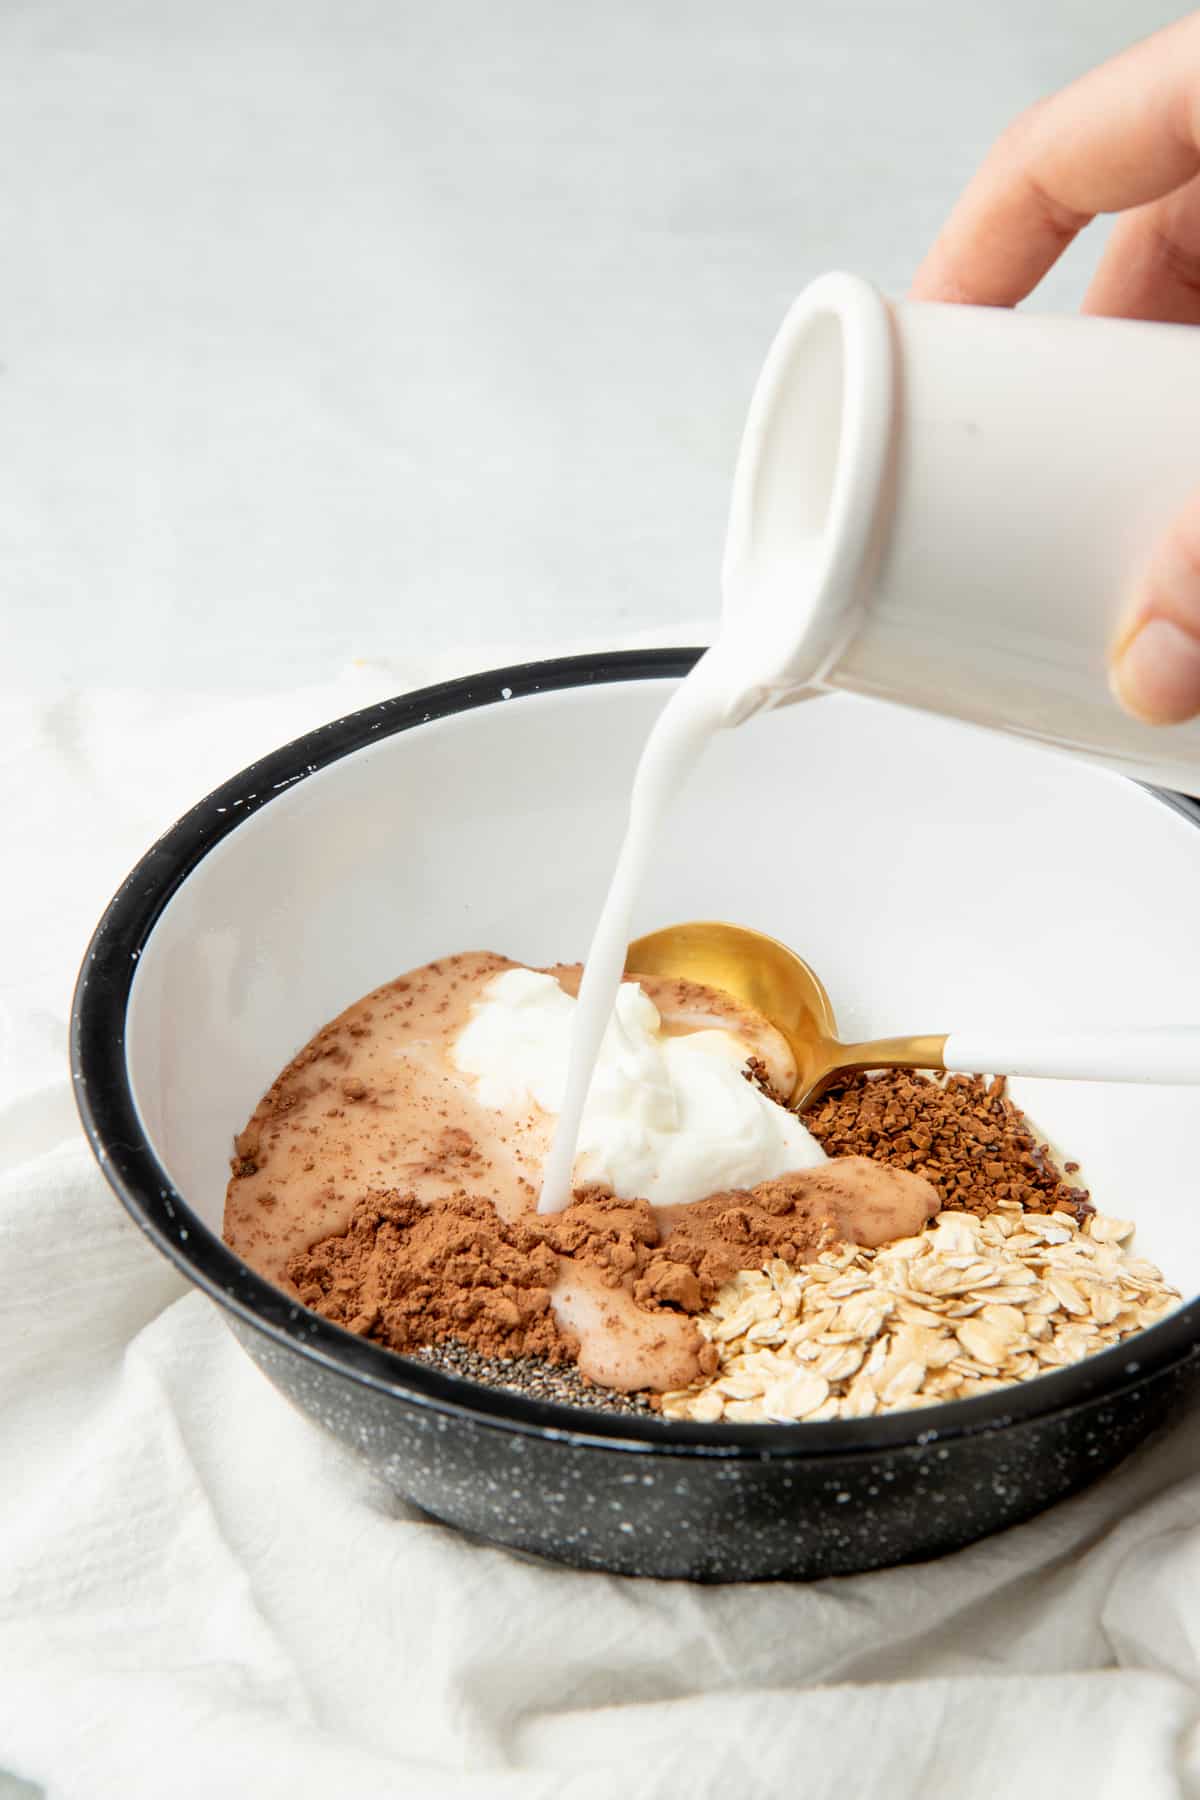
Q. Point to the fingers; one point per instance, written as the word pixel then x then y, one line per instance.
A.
pixel 1126 138
pixel 1151 268
pixel 1124 135
pixel 1156 661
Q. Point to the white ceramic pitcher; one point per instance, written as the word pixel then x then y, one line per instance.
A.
pixel 948 507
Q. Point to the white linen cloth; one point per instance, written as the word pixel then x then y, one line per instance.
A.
pixel 201 1594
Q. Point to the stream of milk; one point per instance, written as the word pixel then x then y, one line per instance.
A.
pixel 698 709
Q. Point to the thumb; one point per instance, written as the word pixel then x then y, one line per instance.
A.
pixel 1156 659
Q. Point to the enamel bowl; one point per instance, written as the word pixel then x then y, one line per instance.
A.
pixel 937 877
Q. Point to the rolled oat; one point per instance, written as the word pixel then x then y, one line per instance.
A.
pixel 967 1308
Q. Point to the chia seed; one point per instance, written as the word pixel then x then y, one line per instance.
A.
pixel 532 1376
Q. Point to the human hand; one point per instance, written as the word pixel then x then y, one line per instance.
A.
pixel 1125 138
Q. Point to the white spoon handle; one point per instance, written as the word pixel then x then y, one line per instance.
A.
pixel 1167 1057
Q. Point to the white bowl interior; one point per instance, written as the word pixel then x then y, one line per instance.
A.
pixel 938 878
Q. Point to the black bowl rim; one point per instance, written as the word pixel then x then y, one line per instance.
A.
pixel 113 1127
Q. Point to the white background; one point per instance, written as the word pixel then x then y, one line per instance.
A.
pixel 365 328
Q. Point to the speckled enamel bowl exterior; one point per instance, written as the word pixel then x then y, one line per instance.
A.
pixel 484 813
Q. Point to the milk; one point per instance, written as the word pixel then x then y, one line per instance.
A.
pixel 699 708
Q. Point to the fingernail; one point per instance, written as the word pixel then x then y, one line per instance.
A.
pixel 1157 675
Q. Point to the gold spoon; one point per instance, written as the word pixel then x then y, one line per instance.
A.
pixel 777 983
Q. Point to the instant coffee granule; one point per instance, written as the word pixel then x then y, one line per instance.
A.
pixel 962 1133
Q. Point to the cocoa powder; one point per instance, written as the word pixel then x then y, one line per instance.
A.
pixel 407 1275
pixel 708 1242
pixel 962 1134
pixel 792 1219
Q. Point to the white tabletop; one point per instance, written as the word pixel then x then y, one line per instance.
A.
pixel 347 328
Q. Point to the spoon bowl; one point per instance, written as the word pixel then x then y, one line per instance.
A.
pixel 766 975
